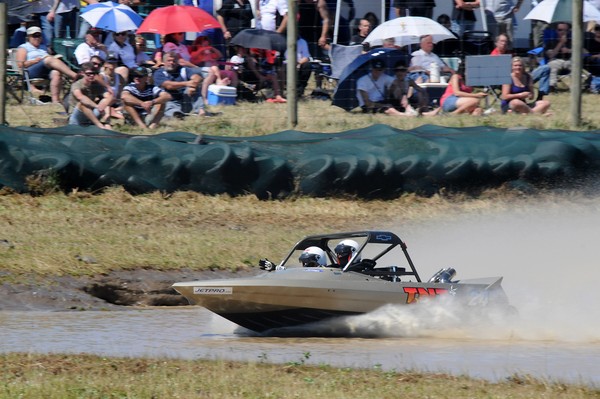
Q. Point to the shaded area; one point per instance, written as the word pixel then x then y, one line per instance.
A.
pixel 374 162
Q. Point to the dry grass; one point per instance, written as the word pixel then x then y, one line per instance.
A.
pixel 84 376
pixel 246 119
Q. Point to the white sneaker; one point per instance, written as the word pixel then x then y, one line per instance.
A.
pixel 489 111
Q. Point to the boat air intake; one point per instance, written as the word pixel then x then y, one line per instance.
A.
pixel 443 276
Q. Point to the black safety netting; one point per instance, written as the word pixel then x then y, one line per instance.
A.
pixel 373 162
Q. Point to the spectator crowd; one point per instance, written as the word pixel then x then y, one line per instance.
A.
pixel 116 76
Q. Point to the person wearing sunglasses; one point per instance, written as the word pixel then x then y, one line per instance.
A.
pixel 126 53
pixel 90 100
pixel 144 102
pixel 34 57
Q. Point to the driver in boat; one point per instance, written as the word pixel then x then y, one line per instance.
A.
pixel 313 257
pixel 344 251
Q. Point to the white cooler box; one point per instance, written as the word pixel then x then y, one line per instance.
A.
pixel 221 95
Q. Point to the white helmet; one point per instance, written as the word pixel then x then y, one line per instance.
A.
pixel 345 250
pixel 313 257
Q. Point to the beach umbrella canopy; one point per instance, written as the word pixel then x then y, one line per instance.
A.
pixel 408 30
pixel 173 19
pixel 260 38
pixel 561 11
pixel 111 16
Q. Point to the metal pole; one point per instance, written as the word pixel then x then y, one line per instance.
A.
pixel 3 42
pixel 576 62
pixel 336 27
pixel 292 60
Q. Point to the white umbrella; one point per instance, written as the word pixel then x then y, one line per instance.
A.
pixel 408 30
pixel 111 16
pixel 562 11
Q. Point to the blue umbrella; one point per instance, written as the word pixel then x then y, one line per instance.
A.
pixel 111 16
pixel 345 94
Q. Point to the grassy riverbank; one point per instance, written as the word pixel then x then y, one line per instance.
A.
pixel 84 376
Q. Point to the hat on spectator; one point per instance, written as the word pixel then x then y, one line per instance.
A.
pixel 139 72
pixel 377 64
pixel 33 29
pixel 400 67
pixel 112 57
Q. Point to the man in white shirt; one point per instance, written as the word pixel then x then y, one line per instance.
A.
pixel 92 46
pixel 422 59
pixel 266 14
pixel 371 89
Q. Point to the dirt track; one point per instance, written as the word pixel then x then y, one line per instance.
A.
pixel 114 291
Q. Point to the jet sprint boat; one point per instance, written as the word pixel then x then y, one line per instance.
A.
pixel 378 271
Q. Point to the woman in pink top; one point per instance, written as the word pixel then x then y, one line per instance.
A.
pixel 459 98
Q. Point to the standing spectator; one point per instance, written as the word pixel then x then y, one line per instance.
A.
pixel 266 15
pixel 459 98
pixel 463 14
pixel 144 102
pixel 516 94
pixel 33 56
pixel 64 14
pixel 40 10
pixel 558 52
pixel 422 59
pixel 234 16
pixel 182 85
pixel 114 83
pixel 92 46
pixel 501 16
pixel 414 8
pixel 364 28
pixel 314 25
pixel 537 28
pixel 89 100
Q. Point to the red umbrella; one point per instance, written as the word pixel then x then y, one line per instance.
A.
pixel 173 19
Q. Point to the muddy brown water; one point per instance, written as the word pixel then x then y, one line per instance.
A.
pixel 548 255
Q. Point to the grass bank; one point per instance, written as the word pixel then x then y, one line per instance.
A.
pixel 86 376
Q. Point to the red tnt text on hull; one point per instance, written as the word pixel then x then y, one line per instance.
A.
pixel 415 292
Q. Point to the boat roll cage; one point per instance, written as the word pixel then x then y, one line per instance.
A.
pixel 367 237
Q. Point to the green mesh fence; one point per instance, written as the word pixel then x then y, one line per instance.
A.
pixel 374 162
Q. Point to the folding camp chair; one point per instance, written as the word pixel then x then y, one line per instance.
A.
pixel 20 80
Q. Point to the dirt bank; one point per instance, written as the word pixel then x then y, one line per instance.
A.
pixel 114 291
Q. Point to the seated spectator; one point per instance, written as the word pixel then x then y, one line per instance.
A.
pixel 302 66
pixel 371 90
pixel 89 100
pixel 125 53
pixel 459 98
pixel 516 94
pixel 33 56
pixel 206 57
pixel 502 44
pixel 174 42
pixel 591 62
pixel 421 61
pixel 114 82
pixel 141 58
pixel 182 85
pixel 404 90
pixel 92 46
pixel 262 65
pixel 558 52
pixel 144 102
